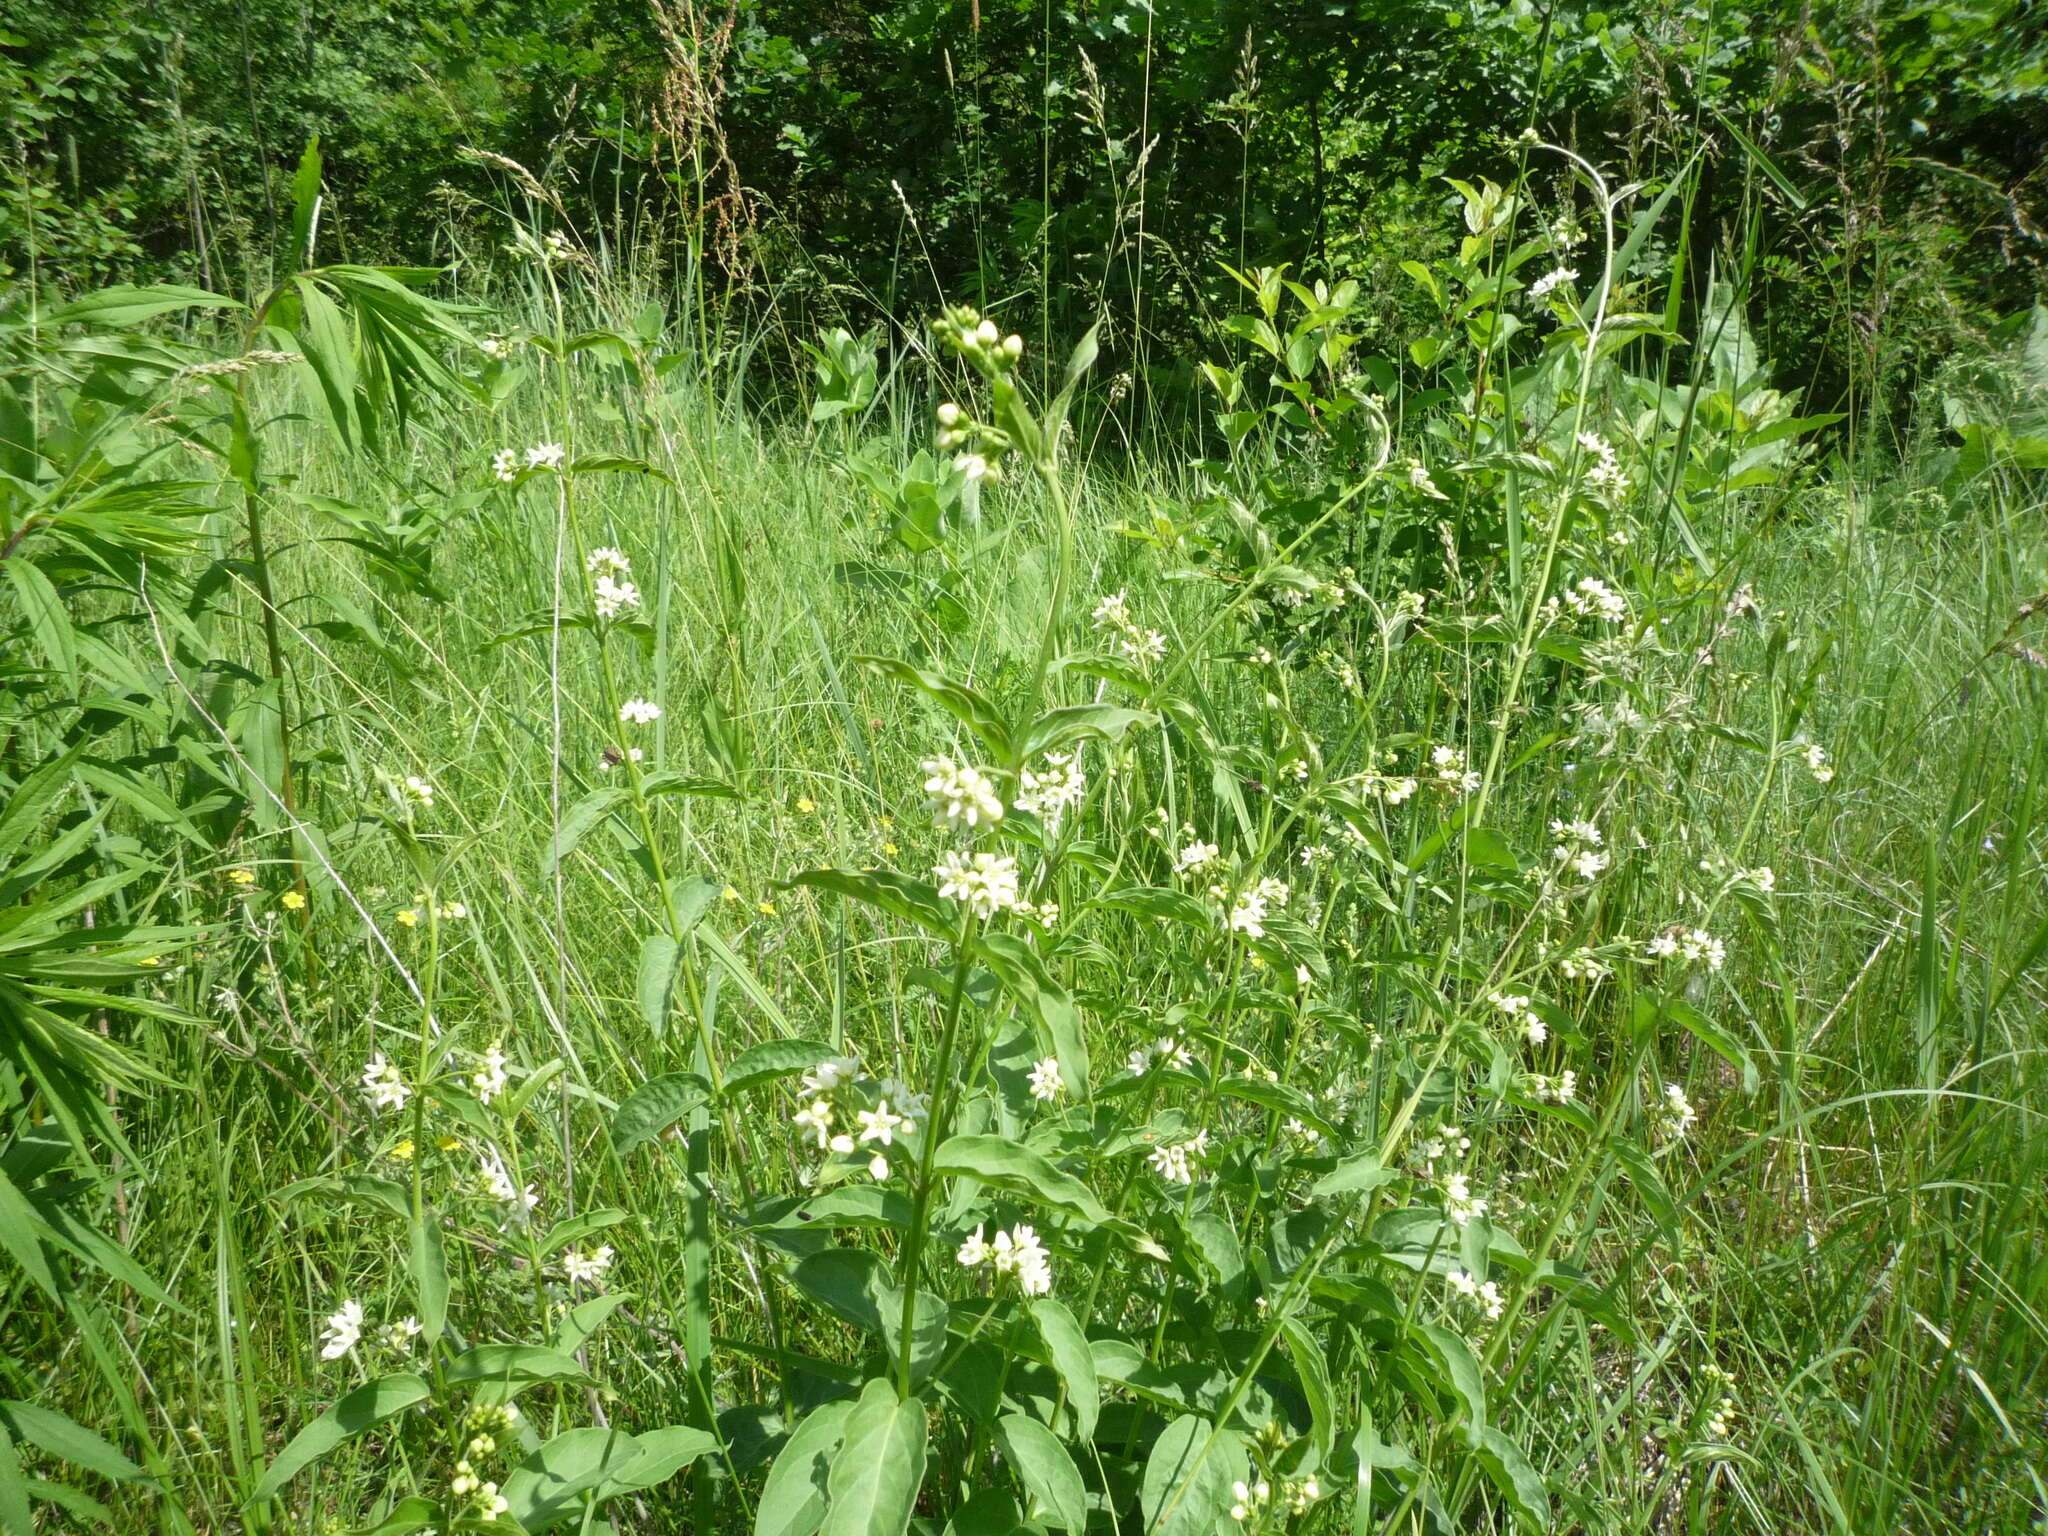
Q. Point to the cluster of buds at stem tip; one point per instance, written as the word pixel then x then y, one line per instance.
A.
pixel 963 328
pixel 977 448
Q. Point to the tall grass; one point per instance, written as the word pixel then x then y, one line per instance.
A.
pixel 1818 1306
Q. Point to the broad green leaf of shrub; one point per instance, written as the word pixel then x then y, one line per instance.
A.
pixel 879 1468
pixel 654 1106
pixel 1048 1472
pixel 793 1498
pixel 1186 1488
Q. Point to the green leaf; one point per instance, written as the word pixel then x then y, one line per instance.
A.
pixel 1023 971
pixel 1186 1488
pixel 47 619
pixel 957 699
pixel 1516 1479
pixel 65 1440
pixel 1056 727
pixel 654 1106
pixel 858 1286
pixel 583 815
pixel 1311 1365
pixel 585 1318
pixel 305 206
pixel 659 954
pixel 1157 902
pixel 568 1233
pixel 125 305
pixel 772 1060
pixel 363 1409
pixel 1007 1165
pixel 514 1363
pixel 1354 1175
pixel 598 1464
pixel 1072 1360
pixel 1047 1471
pixel 793 1498
pixel 1458 1371
pixel 14 1510
pixel 19 1238
pixel 911 900
pixel 879 1468
pixel 428 1266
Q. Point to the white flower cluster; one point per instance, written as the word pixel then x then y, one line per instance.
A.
pixel 343 1331
pixel 420 790
pixel 985 882
pixel 495 1182
pixel 489 1078
pixel 1127 638
pixel 1762 879
pixel 1674 1115
pixel 1167 1050
pixel 1578 848
pixel 1046 1082
pixel 1606 475
pixel 1460 1204
pixel 1562 1089
pixel 1174 1163
pixel 383 1085
pixel 1249 909
pixel 958 795
pixel 1589 597
pixel 1450 773
pixel 587 1268
pixel 508 463
pixel 1016 1252
pixel 1817 763
pixel 1057 789
pixel 1695 946
pixel 1542 287
pixel 1419 479
pixel 1483 1294
pixel 1517 1008
pixel 1247 1500
pixel 610 592
pixel 1195 856
pixel 834 1086
pixel 639 712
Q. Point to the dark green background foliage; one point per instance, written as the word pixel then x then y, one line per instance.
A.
pixel 1064 160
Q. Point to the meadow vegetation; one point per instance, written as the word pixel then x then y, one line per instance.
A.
pixel 1456 944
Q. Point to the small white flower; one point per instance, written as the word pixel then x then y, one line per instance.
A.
pixel 878 1124
pixel 1549 280
pixel 1675 1116
pixel 606 561
pixel 611 597
pixel 383 1085
pixel 489 1079
pixel 1171 1163
pixel 496 1182
pixel 1196 856
pixel 1112 612
pixel 971 465
pixel 1046 1082
pixel 398 1336
pixel 343 1330
pixel 421 791
pixel 1055 791
pixel 581 1268
pixel 638 712
pixel 545 456
pixel 505 464
pixel 975 1252
pixel 815 1120
pixel 1818 765
pixel 1460 1204
pixel 986 882
pixel 829 1074
pixel 958 795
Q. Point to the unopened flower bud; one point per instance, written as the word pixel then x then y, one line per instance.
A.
pixel 987 334
pixel 1013 347
pixel 950 414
